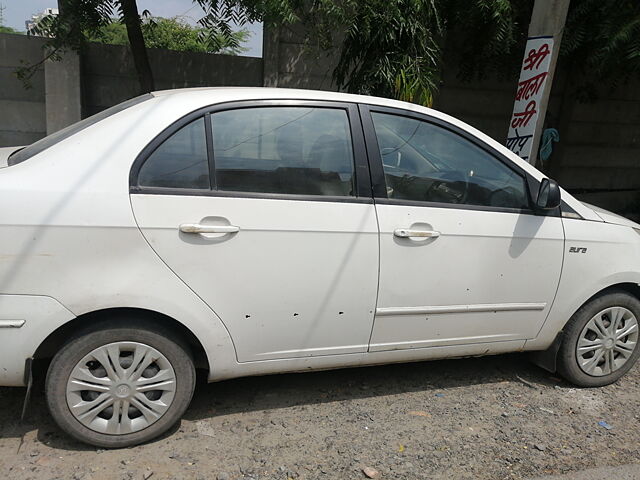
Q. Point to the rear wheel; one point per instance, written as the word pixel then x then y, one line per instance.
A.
pixel 118 386
pixel 600 341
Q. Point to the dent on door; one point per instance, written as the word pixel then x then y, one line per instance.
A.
pixel 297 279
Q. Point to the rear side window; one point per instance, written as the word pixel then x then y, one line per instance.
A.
pixel 286 150
pixel 50 140
pixel 180 161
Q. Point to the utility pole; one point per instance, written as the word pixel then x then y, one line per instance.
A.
pixel 536 77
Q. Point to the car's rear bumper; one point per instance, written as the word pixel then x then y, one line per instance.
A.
pixel 25 321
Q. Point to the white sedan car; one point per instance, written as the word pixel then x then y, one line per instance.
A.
pixel 254 231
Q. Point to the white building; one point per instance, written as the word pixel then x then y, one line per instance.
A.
pixel 31 23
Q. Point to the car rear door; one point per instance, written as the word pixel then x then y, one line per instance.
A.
pixel 463 258
pixel 264 209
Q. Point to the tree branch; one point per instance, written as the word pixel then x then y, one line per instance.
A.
pixel 133 23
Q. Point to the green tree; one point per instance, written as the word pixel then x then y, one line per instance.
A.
pixel 114 33
pixel 393 48
pixel 171 34
pixel 601 45
pixel 396 48
pixel 68 29
pixel 4 29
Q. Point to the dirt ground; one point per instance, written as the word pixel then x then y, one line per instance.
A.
pixel 485 418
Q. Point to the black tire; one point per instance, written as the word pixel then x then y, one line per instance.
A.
pixel 73 352
pixel 568 365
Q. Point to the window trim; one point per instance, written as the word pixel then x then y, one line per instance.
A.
pixel 376 167
pixel 213 177
pixel 191 120
pixel 362 183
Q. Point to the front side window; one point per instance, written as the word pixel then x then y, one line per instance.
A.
pixel 180 161
pixel 284 150
pixel 427 163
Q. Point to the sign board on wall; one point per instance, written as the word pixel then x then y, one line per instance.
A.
pixel 533 77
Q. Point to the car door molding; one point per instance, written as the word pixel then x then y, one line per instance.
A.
pixel 474 308
pixel 363 192
pixel 376 169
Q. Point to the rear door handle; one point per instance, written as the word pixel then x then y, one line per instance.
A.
pixel 407 233
pixel 198 228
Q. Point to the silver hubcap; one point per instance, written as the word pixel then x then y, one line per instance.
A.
pixel 121 388
pixel 607 341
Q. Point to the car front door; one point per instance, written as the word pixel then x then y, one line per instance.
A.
pixel 264 210
pixel 463 258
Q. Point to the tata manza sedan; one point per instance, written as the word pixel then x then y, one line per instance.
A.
pixel 249 231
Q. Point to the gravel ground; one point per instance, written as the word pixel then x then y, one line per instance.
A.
pixel 484 418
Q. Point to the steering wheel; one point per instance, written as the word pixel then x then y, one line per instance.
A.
pixel 442 187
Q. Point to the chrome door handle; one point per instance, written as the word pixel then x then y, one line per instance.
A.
pixel 197 228
pixel 406 233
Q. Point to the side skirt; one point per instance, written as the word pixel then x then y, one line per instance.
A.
pixel 329 362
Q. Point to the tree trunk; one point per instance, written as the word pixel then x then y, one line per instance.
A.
pixel 136 41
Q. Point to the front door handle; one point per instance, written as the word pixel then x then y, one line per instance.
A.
pixel 198 228
pixel 407 233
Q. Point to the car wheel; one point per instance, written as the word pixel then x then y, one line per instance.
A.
pixel 600 342
pixel 119 386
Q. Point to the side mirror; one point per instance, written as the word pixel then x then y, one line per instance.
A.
pixel 548 195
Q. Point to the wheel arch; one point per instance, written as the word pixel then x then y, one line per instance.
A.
pixel 628 287
pixel 94 320
pixel 547 358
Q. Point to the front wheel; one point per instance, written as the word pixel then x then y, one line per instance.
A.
pixel 119 386
pixel 600 342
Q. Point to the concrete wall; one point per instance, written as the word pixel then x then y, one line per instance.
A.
pixel 22 111
pixel 102 76
pixel 109 76
pixel 290 62
pixel 599 153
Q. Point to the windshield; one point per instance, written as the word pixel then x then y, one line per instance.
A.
pixel 50 140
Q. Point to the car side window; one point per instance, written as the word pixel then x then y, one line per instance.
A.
pixel 180 161
pixel 284 150
pixel 426 162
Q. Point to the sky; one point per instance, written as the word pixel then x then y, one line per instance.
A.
pixel 17 11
